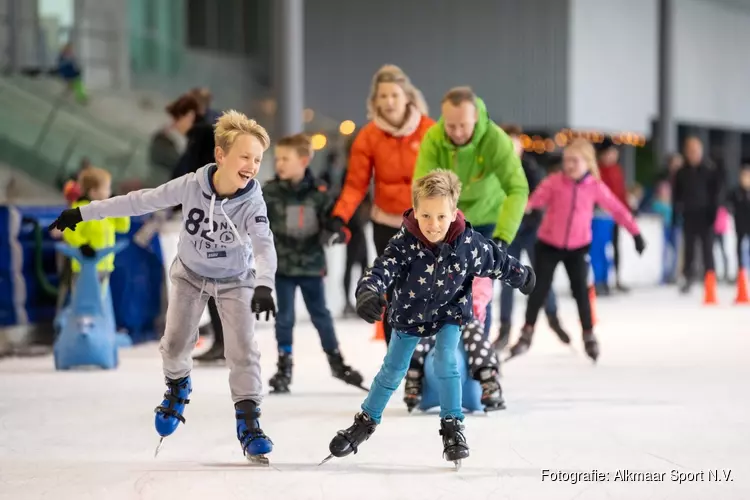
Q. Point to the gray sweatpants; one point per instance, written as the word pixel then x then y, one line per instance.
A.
pixel 187 301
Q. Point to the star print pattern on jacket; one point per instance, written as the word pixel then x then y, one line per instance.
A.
pixel 432 282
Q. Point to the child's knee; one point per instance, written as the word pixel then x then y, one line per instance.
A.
pixel 446 363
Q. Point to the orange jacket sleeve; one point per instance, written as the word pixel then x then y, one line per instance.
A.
pixel 358 176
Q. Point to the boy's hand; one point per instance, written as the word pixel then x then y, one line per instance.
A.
pixel 370 306
pixel 263 302
pixel 640 245
pixel 87 251
pixel 68 219
pixel 530 283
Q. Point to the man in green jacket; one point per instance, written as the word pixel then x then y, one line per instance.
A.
pixel 465 140
pixel 494 187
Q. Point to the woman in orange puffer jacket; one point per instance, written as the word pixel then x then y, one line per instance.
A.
pixel 387 147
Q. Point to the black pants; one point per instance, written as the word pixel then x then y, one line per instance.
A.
pixel 616 251
pixel 381 235
pixel 697 227
pixel 741 261
pixel 576 264
pixel 356 254
pixel 213 311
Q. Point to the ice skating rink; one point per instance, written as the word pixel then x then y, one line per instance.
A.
pixel 670 394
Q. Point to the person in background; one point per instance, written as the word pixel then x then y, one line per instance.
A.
pixel 565 236
pixel 739 203
pixel 662 206
pixel 721 226
pixel 695 200
pixel 204 98
pixel 524 241
pixel 168 144
pixel 70 71
pixel 385 151
pixel 613 177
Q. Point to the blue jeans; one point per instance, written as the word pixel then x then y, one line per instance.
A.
pixel 314 296
pixel 486 231
pixel 396 362
pixel 524 240
pixel 669 254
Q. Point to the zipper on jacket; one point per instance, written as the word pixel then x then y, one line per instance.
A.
pixel 570 216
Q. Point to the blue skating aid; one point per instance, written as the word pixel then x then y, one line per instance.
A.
pixel 471 389
pixel 87 325
pixel 255 444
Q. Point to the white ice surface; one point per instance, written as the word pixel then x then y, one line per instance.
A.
pixel 670 393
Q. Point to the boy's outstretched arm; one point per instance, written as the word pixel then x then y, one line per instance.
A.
pixel 263 248
pixel 488 260
pixel 134 203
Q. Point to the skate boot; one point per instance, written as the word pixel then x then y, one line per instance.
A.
pixel 455 448
pixel 344 372
pixel 492 392
pixel 255 444
pixel 501 342
pixel 591 345
pixel 554 323
pixel 413 389
pixel 213 355
pixel 169 412
pixel 280 382
pixel 347 441
pixel 524 342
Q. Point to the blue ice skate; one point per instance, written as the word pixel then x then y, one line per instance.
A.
pixel 169 412
pixel 255 444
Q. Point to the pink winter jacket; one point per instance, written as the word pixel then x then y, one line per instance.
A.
pixel 482 291
pixel 570 209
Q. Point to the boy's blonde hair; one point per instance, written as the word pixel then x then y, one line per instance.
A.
pixel 301 143
pixel 233 124
pixel 584 148
pixel 435 184
pixel 93 178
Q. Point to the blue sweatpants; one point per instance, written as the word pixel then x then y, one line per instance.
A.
pixel 396 363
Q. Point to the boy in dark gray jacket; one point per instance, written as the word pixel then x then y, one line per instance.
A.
pixel 225 237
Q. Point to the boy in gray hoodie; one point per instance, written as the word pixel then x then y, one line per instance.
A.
pixel 225 237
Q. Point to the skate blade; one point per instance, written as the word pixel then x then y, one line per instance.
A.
pixel 158 446
pixel 457 464
pixel 326 459
pixel 260 460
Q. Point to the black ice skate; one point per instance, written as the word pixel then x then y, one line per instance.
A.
pixel 413 389
pixel 347 441
pixel 523 344
pixel 591 345
pixel 214 355
pixel 501 342
pixel 492 392
pixel 554 323
pixel 455 448
pixel 344 372
pixel 283 378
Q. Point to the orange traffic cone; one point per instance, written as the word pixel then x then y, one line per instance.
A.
pixel 709 284
pixel 592 301
pixel 379 331
pixel 742 295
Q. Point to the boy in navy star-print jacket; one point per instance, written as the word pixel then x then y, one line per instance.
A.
pixel 431 262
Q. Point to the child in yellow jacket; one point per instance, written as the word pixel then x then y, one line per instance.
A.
pixel 93 235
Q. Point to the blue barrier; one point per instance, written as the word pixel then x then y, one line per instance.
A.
pixel 136 283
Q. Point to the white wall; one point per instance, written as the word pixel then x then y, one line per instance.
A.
pixel 102 43
pixel 711 66
pixel 612 58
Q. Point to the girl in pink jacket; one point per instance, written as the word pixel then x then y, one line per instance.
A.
pixel 564 236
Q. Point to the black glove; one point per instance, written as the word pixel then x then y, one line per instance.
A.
pixel 502 244
pixel 530 283
pixel 87 251
pixel 68 219
pixel 370 305
pixel 329 238
pixel 263 302
pixel 640 245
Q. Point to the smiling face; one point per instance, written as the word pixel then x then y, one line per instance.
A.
pixel 434 216
pixel 239 165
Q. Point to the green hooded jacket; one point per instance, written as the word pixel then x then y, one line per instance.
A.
pixel 494 186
